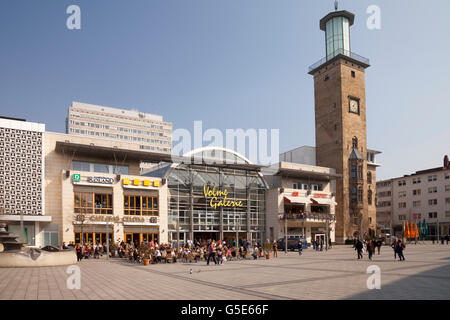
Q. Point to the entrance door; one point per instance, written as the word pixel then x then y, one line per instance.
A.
pixel 128 238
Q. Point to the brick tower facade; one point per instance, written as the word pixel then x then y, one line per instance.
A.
pixel 340 119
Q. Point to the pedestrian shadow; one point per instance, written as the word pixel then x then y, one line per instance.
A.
pixel 432 284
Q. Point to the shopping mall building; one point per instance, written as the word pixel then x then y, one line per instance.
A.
pixel 65 188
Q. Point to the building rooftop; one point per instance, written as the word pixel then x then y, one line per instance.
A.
pixel 117 112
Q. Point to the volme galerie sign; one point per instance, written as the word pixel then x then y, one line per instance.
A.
pixel 219 198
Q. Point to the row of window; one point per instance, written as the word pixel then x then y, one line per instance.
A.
pixel 102 203
pixel 418 179
pixel 119 136
pixel 109 120
pixel 356 195
pixel 99 167
pixel 431 202
pixel 418 216
pixel 304 186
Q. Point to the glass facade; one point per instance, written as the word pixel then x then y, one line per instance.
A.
pixel 208 201
pixel 337 37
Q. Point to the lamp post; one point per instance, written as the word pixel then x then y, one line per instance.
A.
pixel 285 234
pixel 236 225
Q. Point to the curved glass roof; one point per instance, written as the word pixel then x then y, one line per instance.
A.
pixel 218 155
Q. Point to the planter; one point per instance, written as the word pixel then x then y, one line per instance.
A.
pixel 268 256
pixel 146 262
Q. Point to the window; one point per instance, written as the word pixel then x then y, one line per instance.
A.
pixel 447 200
pixel 360 172
pixel 89 203
pixel 360 195
pixel 402 217
pixel 447 176
pixel 120 169
pixel 369 197
pixel 353 74
pixel 402 194
pixel 81 166
pixel 417 216
pixel 416 180
pixel 416 204
pixel 432 215
pixel 355 143
pixel 447 214
pixel 432 190
pixel 369 177
pixel 317 187
pixel 402 183
pixel 295 185
pixel 50 239
pixel 353 195
pixel 402 205
pixel 432 202
pixel 353 172
pixel 447 188
pixel 103 203
pixel 136 205
pixel 432 178
pixel 417 192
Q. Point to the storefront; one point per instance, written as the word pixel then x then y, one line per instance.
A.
pixel 210 198
pixel 301 202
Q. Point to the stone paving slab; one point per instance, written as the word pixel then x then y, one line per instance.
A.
pixel 334 274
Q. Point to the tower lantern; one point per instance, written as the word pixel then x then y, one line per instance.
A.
pixel 337 32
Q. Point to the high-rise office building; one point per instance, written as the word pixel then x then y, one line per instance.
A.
pixel 143 130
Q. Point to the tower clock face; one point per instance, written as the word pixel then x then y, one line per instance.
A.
pixel 354 106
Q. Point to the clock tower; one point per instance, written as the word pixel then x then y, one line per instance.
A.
pixel 340 120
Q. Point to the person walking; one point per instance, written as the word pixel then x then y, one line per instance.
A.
pixel 300 247
pixel 321 243
pixel 275 249
pixel 211 253
pixel 370 249
pixel 395 247
pixel 359 248
pixel 400 247
pixel 79 253
pixel 379 245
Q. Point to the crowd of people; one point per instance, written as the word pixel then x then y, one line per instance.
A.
pixel 371 246
pixel 208 251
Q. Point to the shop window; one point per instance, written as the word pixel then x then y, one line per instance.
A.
pixel 50 239
pixel 140 205
pixel 89 203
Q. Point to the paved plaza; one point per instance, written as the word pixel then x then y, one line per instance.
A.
pixel 335 274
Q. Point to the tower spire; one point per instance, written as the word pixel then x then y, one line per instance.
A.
pixel 336 4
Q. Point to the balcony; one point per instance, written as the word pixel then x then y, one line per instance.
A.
pixel 340 52
pixel 308 216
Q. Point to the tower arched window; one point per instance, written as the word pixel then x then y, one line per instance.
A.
pixel 355 143
pixel 360 195
pixel 369 177
pixel 369 197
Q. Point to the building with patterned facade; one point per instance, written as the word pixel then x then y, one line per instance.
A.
pixel 22 171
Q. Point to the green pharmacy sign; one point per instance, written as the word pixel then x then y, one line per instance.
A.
pixel 76 177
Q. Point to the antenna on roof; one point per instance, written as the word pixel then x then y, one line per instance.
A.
pixel 336 4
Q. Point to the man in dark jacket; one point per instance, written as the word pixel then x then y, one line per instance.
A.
pixel 359 248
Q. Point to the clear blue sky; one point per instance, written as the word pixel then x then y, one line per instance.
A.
pixel 232 64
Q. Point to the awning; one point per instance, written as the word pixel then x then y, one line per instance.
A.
pixel 297 200
pixel 323 201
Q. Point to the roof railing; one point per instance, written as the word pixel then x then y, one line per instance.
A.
pixel 336 53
